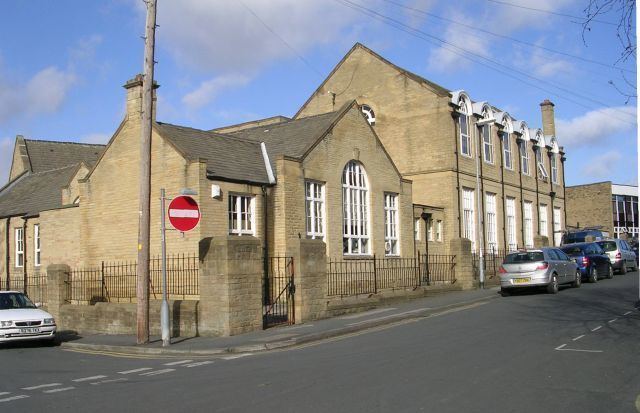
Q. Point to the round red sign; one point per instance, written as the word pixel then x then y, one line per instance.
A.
pixel 184 213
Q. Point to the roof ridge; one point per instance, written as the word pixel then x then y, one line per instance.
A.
pixel 251 121
pixel 75 165
pixel 287 122
pixel 209 132
pixel 65 142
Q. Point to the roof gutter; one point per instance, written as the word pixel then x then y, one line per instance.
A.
pixel 267 163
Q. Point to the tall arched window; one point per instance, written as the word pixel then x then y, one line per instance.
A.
pixel 355 210
pixel 463 119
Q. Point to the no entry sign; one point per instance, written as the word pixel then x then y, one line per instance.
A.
pixel 184 213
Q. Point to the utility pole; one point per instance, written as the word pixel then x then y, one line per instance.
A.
pixel 142 286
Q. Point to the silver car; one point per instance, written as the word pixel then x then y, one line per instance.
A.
pixel 545 267
pixel 621 255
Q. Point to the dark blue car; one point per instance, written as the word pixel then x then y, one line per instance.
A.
pixel 592 261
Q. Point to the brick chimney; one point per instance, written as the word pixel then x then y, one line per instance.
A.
pixel 548 118
pixel 134 98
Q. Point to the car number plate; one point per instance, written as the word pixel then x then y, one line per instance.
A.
pixel 521 280
pixel 30 330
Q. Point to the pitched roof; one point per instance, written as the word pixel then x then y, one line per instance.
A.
pixel 417 78
pixel 228 157
pixel 292 138
pixel 32 193
pixel 251 124
pixel 49 155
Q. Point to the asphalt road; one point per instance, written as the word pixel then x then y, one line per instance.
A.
pixel 577 351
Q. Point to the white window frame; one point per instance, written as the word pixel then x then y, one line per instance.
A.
pixel 540 162
pixel 19 243
pixel 430 230
pixel 524 157
pixel 557 225
pixel 465 138
pixel 492 222
pixel 439 230
pixel 391 226
pixel 369 114
pixel 528 224
pixel 314 209
pixel 469 216
pixel 36 245
pixel 554 168
pixel 355 210
pixel 416 228
pixel 512 240
pixel 506 149
pixel 487 144
pixel 544 220
pixel 245 220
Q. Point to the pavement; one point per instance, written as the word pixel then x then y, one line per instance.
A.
pixel 284 336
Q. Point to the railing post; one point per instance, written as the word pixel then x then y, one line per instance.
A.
pixel 104 295
pixel 375 275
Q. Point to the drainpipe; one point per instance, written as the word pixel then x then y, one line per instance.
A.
pixel 455 116
pixel 552 195
pixel 504 197
pixel 265 258
pixel 519 140
pixel 535 155
pixel 24 254
pixel 564 202
pixel 8 251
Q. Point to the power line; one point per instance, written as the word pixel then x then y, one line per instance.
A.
pixel 472 56
pixel 554 13
pixel 305 61
pixel 513 39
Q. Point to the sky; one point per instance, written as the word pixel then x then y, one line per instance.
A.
pixel 62 65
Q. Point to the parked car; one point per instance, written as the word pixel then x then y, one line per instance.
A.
pixel 575 236
pixel 546 267
pixel 20 319
pixel 592 261
pixel 633 243
pixel 621 255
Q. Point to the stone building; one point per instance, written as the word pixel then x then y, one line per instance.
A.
pixel 612 207
pixel 440 139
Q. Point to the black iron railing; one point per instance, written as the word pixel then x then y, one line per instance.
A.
pixel 116 281
pixel 347 277
pixel 492 261
pixel 34 285
pixel 278 298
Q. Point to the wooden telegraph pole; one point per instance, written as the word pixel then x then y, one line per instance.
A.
pixel 142 287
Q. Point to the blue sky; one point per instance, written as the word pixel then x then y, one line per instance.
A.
pixel 62 65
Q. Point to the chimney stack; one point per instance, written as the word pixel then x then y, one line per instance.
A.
pixel 548 118
pixel 134 98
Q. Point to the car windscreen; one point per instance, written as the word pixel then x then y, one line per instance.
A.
pixel 524 257
pixel 575 250
pixel 572 238
pixel 608 245
pixel 12 301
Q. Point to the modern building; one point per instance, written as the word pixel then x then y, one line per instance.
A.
pixel 613 207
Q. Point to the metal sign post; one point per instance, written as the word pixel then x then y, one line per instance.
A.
pixel 164 309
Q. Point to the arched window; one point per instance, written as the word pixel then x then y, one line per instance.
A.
pixel 355 210
pixel 463 119
pixel 369 114
pixel 487 142
pixel 524 157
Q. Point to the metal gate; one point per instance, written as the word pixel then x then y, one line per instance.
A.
pixel 278 305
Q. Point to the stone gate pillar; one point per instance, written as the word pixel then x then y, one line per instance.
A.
pixel 230 286
pixel 57 291
pixel 310 278
pixel 461 248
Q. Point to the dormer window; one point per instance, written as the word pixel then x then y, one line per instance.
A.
pixel 369 114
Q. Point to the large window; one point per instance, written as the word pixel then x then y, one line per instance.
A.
pixel 241 214
pixel 19 238
pixel 416 229
pixel 625 215
pixel 439 230
pixel 355 210
pixel 544 221
pixel 528 224
pixel 506 149
pixel 492 222
pixel 465 138
pixel 554 168
pixel 557 226
pixel 542 171
pixel 487 144
pixel 314 202
pixel 524 157
pixel 391 246
pixel 512 242
pixel 36 245
pixel 468 217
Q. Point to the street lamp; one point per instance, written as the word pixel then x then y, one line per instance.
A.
pixel 480 235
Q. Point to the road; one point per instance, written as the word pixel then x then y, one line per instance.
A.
pixel 577 351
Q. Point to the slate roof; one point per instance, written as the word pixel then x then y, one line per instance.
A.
pixel 32 193
pixel 228 157
pixel 49 155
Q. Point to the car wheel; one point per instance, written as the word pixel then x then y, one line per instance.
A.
pixel 578 280
pixel 623 270
pixel 593 275
pixel 610 273
pixel 552 288
pixel 504 292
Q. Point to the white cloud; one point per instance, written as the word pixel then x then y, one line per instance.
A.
pixel 596 126
pixel 602 166
pixel 207 90
pixel 225 37
pixel 516 18
pixel 6 151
